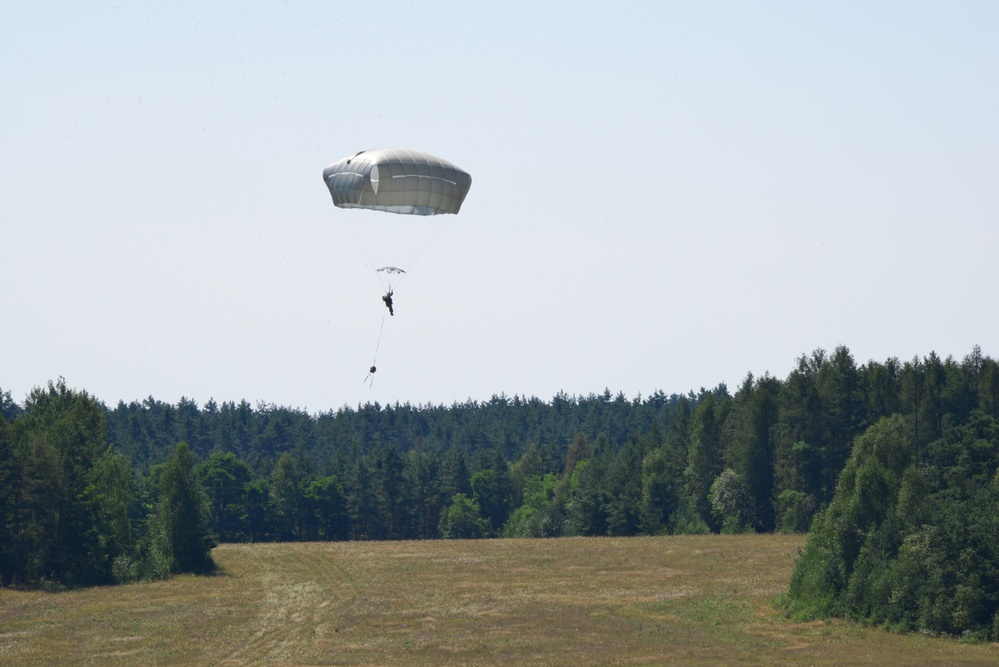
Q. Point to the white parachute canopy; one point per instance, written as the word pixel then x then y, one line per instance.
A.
pixel 415 186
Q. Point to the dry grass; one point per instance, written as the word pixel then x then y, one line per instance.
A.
pixel 638 601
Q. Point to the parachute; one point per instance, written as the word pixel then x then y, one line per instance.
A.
pixel 417 186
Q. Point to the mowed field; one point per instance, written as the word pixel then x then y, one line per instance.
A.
pixel 573 601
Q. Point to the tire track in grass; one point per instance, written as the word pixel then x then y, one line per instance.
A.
pixel 299 597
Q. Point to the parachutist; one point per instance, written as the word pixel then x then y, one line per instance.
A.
pixel 411 185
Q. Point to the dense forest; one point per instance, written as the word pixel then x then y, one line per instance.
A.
pixel 92 494
pixel 910 540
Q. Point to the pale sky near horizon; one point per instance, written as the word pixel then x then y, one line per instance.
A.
pixel 665 195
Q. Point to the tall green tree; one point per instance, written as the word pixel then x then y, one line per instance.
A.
pixel 704 457
pixel 362 503
pixel 327 506
pixel 181 526
pixel 529 465
pixel 288 496
pixel 224 477
pixel 424 478
pixel 111 495
pixel 588 506
pixel 56 441
pixel 258 515
pixel 492 490
pixel 840 391
pixel 798 456
pixel 455 474
pixel 752 450
pixel 392 492
pixel 662 478
pixel 624 489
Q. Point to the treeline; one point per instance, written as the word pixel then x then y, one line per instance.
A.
pixel 72 511
pixel 146 431
pixel 765 458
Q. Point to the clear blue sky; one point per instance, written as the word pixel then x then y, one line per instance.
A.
pixel 665 195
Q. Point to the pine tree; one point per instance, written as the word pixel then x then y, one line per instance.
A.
pixel 704 457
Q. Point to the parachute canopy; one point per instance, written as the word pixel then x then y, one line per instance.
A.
pixel 397 180
pixel 418 185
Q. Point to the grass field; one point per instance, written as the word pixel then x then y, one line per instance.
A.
pixel 578 601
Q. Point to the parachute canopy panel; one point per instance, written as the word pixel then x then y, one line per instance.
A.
pixel 397 180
